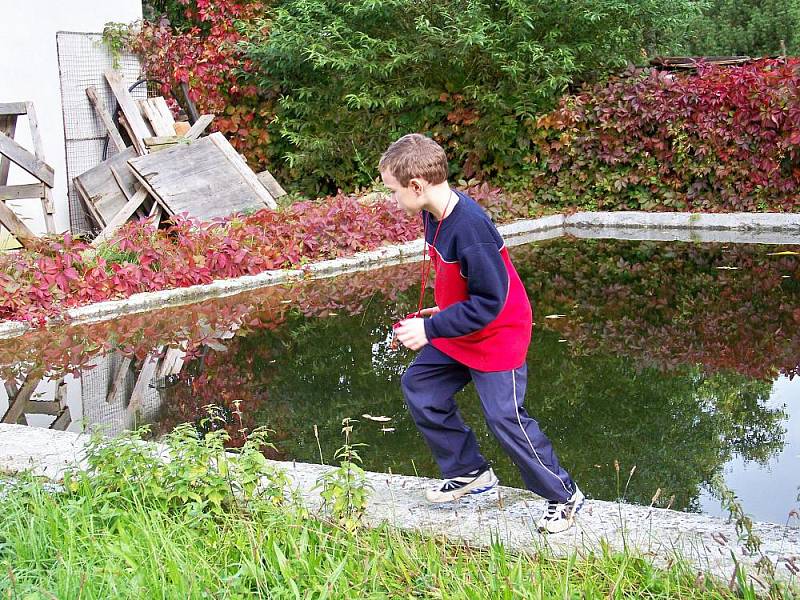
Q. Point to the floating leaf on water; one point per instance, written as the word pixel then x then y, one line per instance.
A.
pixel 784 253
pixel 377 419
pixel 554 316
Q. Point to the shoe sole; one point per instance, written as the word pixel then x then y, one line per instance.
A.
pixel 461 492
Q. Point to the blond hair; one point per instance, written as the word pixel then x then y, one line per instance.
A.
pixel 415 155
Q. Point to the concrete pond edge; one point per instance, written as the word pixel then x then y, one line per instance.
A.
pixel 709 544
pixel 766 228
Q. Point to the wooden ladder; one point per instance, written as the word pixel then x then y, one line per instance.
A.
pixel 11 151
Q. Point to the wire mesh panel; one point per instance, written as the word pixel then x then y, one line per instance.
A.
pixel 82 58
pixel 111 413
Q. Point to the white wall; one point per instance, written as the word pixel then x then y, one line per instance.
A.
pixel 29 71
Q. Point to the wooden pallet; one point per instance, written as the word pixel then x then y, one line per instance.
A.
pixel 206 179
pixel 166 172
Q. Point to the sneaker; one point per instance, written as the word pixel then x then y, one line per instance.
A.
pixel 560 516
pixel 474 482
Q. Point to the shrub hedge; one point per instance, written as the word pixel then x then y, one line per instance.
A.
pixel 722 139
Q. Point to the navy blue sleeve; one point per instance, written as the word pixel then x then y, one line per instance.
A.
pixel 487 286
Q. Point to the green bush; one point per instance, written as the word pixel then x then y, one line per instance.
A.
pixel 356 74
pixel 749 27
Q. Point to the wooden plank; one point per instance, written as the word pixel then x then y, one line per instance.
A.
pixel 21 192
pixel 106 193
pixel 36 136
pixel 8 125
pixel 120 183
pixel 200 179
pixel 13 108
pixel 167 119
pixel 62 420
pixel 15 226
pixel 160 104
pixel 145 376
pixel 27 161
pixel 121 217
pixel 105 118
pixel 196 130
pixel 123 123
pixel 43 407
pixel 11 387
pixel 162 140
pixel 272 185
pixel 119 378
pixel 155 214
pixel 38 149
pixel 246 172
pixel 17 404
pixel 61 391
pixel 87 203
pixel 127 105
pixel 172 363
pixel 123 184
pixel 153 115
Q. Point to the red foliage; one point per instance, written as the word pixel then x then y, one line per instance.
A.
pixel 726 138
pixel 40 283
pixel 205 57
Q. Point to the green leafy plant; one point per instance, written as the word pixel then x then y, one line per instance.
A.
pixel 745 27
pixel 354 75
pixel 191 472
pixel 345 490
pixel 117 38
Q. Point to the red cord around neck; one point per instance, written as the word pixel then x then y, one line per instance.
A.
pixel 426 271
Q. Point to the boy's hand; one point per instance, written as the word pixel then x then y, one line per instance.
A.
pixel 429 312
pixel 411 333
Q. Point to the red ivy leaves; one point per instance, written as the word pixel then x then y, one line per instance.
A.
pixel 205 57
pixel 41 282
pixel 725 138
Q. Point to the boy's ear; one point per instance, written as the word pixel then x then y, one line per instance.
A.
pixel 417 185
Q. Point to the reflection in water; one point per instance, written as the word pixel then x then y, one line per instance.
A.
pixel 664 360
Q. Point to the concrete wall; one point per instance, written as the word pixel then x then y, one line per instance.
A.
pixel 29 71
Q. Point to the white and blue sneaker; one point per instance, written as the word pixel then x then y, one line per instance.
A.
pixel 560 516
pixel 474 482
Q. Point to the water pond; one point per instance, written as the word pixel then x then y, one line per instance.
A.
pixel 654 368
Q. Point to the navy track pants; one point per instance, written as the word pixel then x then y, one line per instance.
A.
pixel 429 385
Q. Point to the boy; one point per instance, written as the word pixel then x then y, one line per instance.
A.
pixel 480 331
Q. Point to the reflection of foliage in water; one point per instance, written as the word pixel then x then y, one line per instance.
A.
pixel 666 305
pixel 666 365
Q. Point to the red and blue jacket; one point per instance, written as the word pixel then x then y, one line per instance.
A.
pixel 485 319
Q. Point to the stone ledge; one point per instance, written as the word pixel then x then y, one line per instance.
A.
pixel 708 543
pixel 788 222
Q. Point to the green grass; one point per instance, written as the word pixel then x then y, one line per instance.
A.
pixel 115 532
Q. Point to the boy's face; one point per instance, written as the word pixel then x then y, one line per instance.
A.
pixel 411 198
